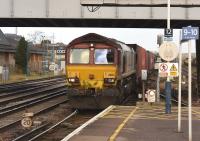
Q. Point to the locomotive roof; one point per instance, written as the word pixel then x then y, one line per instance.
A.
pixel 96 38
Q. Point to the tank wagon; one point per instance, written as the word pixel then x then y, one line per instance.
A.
pixel 100 71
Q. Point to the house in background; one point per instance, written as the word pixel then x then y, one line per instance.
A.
pixel 8 45
pixel 7 52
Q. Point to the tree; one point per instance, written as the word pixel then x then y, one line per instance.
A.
pixel 21 56
pixel 36 37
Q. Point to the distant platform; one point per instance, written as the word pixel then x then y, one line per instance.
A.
pixel 137 123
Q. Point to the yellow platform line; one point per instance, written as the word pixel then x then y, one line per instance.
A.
pixel 197 113
pixel 119 128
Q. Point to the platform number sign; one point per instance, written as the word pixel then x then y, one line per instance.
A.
pixel 168 32
pixel 190 33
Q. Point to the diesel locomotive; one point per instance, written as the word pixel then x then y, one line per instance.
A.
pixel 100 71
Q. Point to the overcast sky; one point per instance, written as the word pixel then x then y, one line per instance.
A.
pixel 146 38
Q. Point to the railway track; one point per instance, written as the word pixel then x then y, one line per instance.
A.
pixel 45 111
pixel 40 97
pixel 43 129
pixel 29 94
pixel 54 130
pixel 5 88
pixel 42 111
pixel 185 72
pixel 175 101
pixel 22 105
pixel 52 110
pixel 59 130
pixel 24 91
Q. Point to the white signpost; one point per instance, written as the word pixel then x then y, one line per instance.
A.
pixel 179 87
pixel 189 33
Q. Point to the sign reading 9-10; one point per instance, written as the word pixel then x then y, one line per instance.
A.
pixel 190 33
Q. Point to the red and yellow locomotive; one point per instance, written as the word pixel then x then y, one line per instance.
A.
pixel 100 71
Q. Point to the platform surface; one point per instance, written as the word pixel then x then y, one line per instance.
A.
pixel 143 123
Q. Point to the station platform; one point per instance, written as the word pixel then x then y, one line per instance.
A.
pixel 137 123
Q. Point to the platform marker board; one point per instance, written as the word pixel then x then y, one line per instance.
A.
pixel 151 96
pixel 168 69
pixel 1 69
pixel 26 122
pixel 144 74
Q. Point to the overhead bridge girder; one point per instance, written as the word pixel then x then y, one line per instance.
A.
pixel 72 9
pixel 144 3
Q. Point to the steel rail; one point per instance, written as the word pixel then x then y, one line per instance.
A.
pixel 39 91
pixel 30 100
pixel 5 127
pixel 29 82
pixel 175 101
pixel 26 135
pixel 3 95
pixel 52 127
pixel 15 108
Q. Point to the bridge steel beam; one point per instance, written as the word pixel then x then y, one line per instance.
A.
pixel 139 3
pixel 104 9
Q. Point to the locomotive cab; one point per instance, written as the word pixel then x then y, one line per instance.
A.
pixel 91 66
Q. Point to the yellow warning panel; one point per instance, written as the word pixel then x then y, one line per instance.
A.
pixel 173 68
pixel 173 73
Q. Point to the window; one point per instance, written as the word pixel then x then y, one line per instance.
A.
pixel 79 56
pixel 104 56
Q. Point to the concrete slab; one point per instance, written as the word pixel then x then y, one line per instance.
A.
pixel 157 130
pixel 146 123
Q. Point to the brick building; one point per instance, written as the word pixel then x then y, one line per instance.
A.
pixel 8 45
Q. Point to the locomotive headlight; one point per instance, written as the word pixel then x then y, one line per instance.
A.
pixel 73 80
pixel 109 80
